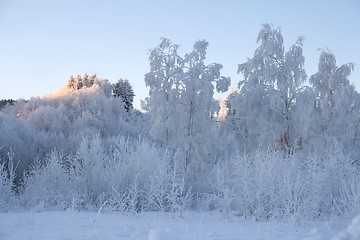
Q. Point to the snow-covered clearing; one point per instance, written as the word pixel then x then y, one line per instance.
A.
pixel 160 226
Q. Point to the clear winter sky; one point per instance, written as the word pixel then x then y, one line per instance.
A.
pixel 43 42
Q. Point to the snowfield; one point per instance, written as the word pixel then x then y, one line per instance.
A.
pixel 161 226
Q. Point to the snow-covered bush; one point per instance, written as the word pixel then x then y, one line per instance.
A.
pixel 48 184
pixel 144 179
pixel 157 189
pixel 134 176
pixel 349 199
pixel 130 176
pixel 7 182
pixel 24 140
pixel 269 184
pixel 178 196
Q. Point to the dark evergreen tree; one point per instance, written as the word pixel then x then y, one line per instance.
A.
pixel 5 102
pixel 123 89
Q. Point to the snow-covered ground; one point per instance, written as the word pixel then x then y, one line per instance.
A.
pixel 161 226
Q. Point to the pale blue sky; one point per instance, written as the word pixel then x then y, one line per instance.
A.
pixel 42 42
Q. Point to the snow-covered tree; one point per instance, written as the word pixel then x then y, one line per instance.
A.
pixel 78 82
pixel 6 102
pixel 262 110
pixel 34 127
pixel 329 80
pixel 71 83
pixel 122 89
pixel 165 83
pixel 199 106
pixel 181 101
pixel 337 102
pixel 291 89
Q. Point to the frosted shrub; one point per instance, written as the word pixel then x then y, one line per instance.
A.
pixel 116 174
pixel 117 201
pixel 133 165
pixel 132 176
pixel 324 177
pixel 94 175
pixel 133 197
pixel 268 184
pixel 292 200
pixel 89 172
pixel 253 183
pixel 166 191
pixel 222 195
pixel 48 184
pixel 178 197
pixel 157 189
pixel 58 182
pixel 127 201
pixel 349 199
pixel 7 182
pixel 142 179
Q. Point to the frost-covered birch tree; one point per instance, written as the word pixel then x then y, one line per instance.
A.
pixel 262 109
pixel 165 83
pixel 180 101
pixel 337 102
pixel 200 80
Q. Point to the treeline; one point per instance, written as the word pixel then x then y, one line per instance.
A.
pixel 274 107
pixel 286 147
pixel 5 102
